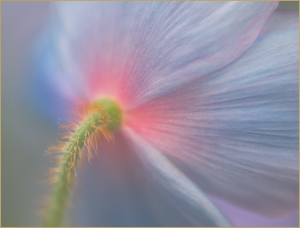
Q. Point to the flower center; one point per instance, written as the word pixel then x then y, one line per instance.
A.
pixel 112 109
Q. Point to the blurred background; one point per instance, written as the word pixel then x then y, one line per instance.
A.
pixel 24 133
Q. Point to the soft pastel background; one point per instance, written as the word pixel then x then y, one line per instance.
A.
pixel 25 131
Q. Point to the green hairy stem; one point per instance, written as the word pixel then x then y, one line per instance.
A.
pixel 103 120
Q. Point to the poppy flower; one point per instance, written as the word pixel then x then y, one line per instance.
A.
pixel 209 98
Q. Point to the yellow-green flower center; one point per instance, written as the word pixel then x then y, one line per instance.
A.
pixel 113 111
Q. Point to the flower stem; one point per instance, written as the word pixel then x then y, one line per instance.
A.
pixel 99 119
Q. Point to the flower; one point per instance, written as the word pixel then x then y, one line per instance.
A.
pixel 209 92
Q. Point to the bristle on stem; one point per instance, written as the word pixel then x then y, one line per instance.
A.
pixel 97 120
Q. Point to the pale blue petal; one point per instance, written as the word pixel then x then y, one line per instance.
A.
pixel 281 20
pixel 50 88
pixel 236 131
pixel 187 196
pixel 138 51
pixel 118 190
